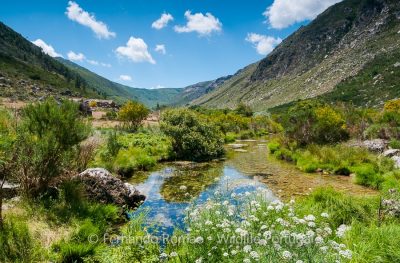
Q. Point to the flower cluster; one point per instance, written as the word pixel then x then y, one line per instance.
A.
pixel 251 228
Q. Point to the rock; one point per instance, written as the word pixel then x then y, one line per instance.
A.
pixel 10 190
pixel 396 160
pixel 376 145
pixel 102 186
pixel 397 64
pixel 237 145
pixel 391 152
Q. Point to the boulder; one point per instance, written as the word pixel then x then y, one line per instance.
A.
pixel 391 152
pixel 376 145
pixel 102 186
pixel 396 160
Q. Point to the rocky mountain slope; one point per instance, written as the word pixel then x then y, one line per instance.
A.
pixel 348 52
pixel 197 90
pixel 27 73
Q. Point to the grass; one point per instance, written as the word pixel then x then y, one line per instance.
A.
pixel 369 169
pixel 127 153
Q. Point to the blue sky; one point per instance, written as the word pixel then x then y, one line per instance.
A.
pixel 205 40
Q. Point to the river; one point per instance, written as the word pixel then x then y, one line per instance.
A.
pixel 176 186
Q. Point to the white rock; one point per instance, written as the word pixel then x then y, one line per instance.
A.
pixel 391 152
pixel 396 160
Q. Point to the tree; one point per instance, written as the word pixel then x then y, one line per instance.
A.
pixel 193 137
pixel 244 110
pixel 47 141
pixel 132 114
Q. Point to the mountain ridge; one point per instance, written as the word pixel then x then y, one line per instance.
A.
pixel 315 59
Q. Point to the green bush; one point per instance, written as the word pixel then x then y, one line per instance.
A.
pixel 230 137
pixel 133 159
pixel 132 114
pixel 273 146
pixel 311 122
pixel 47 143
pixel 368 175
pixel 193 137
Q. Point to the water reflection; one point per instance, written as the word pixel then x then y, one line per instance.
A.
pixel 171 190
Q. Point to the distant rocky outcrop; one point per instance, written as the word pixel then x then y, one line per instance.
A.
pixel 103 187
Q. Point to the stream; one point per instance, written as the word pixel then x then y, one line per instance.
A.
pixel 175 186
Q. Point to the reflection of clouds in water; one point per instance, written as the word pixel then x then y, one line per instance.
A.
pixel 163 219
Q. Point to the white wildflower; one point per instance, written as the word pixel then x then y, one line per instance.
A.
pixel 198 240
pixel 247 248
pixel 199 260
pixel 246 260
pixel 262 242
pixel 346 254
pixel 233 252
pixel 286 254
pixel 254 255
pixel 309 218
pixel 319 240
pixel 225 254
pixel 340 232
pixel 325 215
pixel 183 187
pixel 173 254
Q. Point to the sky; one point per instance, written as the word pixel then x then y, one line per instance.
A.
pixel 159 43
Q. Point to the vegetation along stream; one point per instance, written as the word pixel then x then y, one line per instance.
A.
pixel 177 185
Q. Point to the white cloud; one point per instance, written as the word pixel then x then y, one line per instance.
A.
pixel 158 87
pixel 77 14
pixel 81 57
pixel 47 49
pixel 202 24
pixel 162 21
pixel 75 56
pixel 284 13
pixel 161 49
pixel 125 78
pixel 136 50
pixel 263 44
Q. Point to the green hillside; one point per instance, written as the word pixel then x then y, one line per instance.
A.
pixel 26 73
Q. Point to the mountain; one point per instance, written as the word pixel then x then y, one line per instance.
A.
pixel 350 52
pixel 28 73
pixel 197 90
pixel 119 92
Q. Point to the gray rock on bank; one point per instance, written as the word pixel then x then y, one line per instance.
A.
pixel 102 186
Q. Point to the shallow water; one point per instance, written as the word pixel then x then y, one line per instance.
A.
pixel 174 187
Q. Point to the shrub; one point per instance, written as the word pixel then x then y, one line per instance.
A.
pixel 273 146
pixel 193 138
pixel 74 252
pixel 132 114
pixel 244 110
pixel 47 142
pixel 133 159
pixel 230 137
pixel 310 122
pixel 368 175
